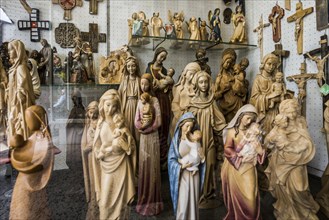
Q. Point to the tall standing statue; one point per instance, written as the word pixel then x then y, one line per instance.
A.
pixel 242 150
pixel 114 176
pixel 88 159
pixel 261 92
pixel 183 92
pixel 193 27
pixel 185 184
pixel 292 148
pixel 228 100
pixel 34 160
pixel 177 19
pixel 154 68
pixel 46 61
pixel 74 131
pixel 20 93
pixel 211 122
pixel 149 174
pixel 239 24
pixel 129 92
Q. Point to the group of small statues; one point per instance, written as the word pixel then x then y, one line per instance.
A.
pixel 198 29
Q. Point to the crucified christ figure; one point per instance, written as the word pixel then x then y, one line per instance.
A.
pixel 320 65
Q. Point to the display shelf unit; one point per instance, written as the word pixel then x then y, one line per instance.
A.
pixel 151 42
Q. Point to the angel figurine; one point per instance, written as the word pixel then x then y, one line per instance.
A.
pixel 194 30
pixel 156 24
pixel 215 25
pixel 177 19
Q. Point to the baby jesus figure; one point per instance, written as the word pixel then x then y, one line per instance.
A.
pixel 195 156
pixel 250 140
pixel 147 111
pixel 166 82
pixel 120 140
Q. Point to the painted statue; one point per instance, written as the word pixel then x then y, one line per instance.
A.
pixel 34 159
pixel 177 19
pixel 156 68
pixel 292 148
pixel 212 123
pixel 215 24
pixel 149 175
pixel 202 60
pixel 185 168
pixel 242 150
pixel 194 30
pixel 115 171
pixel 46 60
pixel 157 24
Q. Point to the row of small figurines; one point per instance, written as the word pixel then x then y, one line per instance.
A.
pixel 199 29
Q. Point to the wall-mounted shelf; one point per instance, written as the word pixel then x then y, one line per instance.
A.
pixel 184 44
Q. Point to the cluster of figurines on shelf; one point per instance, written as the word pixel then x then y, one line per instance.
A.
pixel 198 28
pixel 215 128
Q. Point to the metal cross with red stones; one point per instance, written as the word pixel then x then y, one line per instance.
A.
pixel 34 25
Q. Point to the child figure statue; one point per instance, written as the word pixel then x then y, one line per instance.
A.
pixel 121 138
pixel 147 111
pixel 279 88
pixel 192 160
pixel 166 82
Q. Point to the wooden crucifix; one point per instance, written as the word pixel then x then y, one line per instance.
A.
pixel 93 37
pixel 259 29
pixel 281 54
pixel 298 19
pixel 301 81
pixel 93 6
pixel 68 5
pixel 275 19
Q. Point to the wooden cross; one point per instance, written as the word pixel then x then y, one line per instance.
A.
pixel 275 19
pixel 322 17
pixel 93 6
pixel 281 54
pixel 301 80
pixel 259 29
pixel 34 25
pixel 68 5
pixel 287 4
pixel 93 37
pixel 298 19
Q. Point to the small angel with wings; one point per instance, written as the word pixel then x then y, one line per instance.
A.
pixel 177 19
pixel 215 25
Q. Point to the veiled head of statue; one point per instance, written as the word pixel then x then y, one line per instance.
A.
pixel 36 117
pixel 17 52
pixel 268 57
pixel 111 95
pixel 290 108
pixel 202 82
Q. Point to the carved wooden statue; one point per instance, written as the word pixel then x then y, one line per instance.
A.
pixel 34 159
pixel 3 103
pixel 177 19
pixel 156 24
pixel 259 29
pixel 239 23
pixel 20 93
pixel 242 150
pixel 320 62
pixel 215 24
pixel 292 148
pixel 194 30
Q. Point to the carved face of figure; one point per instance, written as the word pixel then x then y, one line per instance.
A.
pixel 161 57
pixel 187 127
pixel 110 107
pixel 131 67
pixel 291 113
pixel 247 119
pixel 270 65
pixel 92 113
pixel 12 53
pixel 145 85
pixel 203 84
pixel 228 63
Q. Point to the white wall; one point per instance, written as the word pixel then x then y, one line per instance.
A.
pixel 114 22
